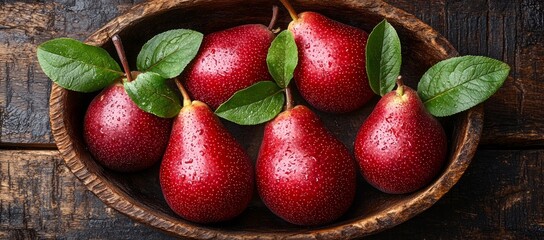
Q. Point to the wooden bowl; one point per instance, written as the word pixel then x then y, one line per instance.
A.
pixel 138 195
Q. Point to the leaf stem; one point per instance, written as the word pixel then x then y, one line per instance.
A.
pixel 274 17
pixel 289 99
pixel 184 93
pixel 400 86
pixel 122 56
pixel 290 9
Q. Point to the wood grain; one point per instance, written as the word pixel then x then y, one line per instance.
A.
pixel 499 197
pixel 40 198
pixel 24 89
pixel 512 32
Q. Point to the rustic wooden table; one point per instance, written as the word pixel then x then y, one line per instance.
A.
pixel 500 196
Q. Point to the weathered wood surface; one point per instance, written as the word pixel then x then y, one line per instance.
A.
pixel 511 31
pixel 24 89
pixel 500 196
pixel 41 198
pixel 497 198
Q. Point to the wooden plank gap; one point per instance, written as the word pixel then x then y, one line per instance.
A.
pixel 28 146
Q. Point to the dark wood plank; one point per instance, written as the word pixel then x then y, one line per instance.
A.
pixel 41 198
pixel 510 31
pixel 507 30
pixel 24 89
pixel 499 197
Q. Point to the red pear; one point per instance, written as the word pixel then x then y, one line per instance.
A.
pixel 205 175
pixel 120 135
pixel 304 174
pixel 228 61
pixel 400 147
pixel 331 73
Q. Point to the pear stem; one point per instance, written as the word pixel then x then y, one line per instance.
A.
pixel 290 8
pixel 289 99
pixel 122 56
pixel 274 17
pixel 184 93
pixel 400 86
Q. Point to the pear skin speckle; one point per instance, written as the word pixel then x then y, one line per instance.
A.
pixel 331 74
pixel 122 137
pixel 400 147
pixel 228 61
pixel 205 175
pixel 304 174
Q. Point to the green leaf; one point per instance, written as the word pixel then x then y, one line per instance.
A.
pixel 169 53
pixel 457 84
pixel 383 58
pixel 151 93
pixel 282 58
pixel 256 104
pixel 77 66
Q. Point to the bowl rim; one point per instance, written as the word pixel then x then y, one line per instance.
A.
pixel 472 121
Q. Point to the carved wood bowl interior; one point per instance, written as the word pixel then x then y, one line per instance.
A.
pixel 138 195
